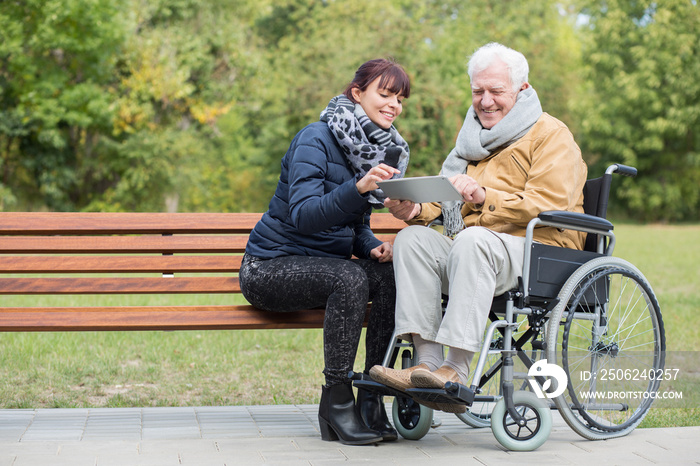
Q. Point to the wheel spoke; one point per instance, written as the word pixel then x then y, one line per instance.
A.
pixel 608 322
pixel 534 430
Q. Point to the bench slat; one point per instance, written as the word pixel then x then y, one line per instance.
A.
pixel 384 222
pixel 79 223
pixel 35 247
pixel 154 318
pixel 118 285
pixel 127 244
pixel 121 244
pixel 123 264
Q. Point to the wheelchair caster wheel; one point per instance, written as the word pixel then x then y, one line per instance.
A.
pixel 532 432
pixel 411 419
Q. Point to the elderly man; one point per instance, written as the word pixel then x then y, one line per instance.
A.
pixel 511 161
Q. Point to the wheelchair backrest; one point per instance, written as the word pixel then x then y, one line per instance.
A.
pixel 595 202
pixel 550 265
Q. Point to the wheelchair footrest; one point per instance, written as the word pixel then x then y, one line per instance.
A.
pixel 453 393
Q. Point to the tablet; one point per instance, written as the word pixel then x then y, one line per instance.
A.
pixel 421 189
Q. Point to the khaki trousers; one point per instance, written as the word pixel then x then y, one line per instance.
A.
pixel 471 269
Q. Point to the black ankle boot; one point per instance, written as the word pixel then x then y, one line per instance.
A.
pixel 338 418
pixel 370 408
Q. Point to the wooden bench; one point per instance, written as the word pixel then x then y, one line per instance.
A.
pixel 136 254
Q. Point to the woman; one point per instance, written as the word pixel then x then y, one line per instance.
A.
pixel 299 254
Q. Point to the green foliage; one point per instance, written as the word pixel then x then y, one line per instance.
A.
pixel 228 177
pixel 104 102
pixel 642 102
pixel 315 47
pixel 438 57
pixel 57 59
pixel 180 77
pixel 190 104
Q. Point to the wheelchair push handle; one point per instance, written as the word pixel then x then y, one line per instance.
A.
pixel 624 170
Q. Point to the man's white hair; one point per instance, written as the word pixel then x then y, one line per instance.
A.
pixel 515 61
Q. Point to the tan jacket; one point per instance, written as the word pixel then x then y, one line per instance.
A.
pixel 541 171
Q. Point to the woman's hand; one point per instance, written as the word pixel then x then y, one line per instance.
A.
pixel 403 210
pixel 470 190
pixel 383 253
pixel 379 173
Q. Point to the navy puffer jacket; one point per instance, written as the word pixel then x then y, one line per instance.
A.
pixel 316 209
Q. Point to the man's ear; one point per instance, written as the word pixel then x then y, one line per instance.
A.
pixel 524 86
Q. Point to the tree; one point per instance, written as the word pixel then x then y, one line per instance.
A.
pixel 183 68
pixel 314 48
pixel 642 103
pixel 56 57
pixel 447 33
pixel 110 105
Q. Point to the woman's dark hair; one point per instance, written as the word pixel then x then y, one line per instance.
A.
pixel 393 77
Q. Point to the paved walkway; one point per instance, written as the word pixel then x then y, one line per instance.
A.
pixel 288 435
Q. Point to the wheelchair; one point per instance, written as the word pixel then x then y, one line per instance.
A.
pixel 582 333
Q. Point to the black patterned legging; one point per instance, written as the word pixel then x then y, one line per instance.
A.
pixel 343 287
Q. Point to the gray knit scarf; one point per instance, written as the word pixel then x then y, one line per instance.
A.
pixel 475 143
pixel 365 144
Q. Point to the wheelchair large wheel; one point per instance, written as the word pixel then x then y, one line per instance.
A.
pixel 607 333
pixel 529 435
pixel 411 419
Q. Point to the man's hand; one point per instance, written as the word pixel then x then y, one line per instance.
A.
pixel 383 253
pixel 469 189
pixel 403 210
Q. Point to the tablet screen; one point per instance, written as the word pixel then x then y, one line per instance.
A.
pixel 421 189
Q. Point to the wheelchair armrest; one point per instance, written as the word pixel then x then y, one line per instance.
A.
pixel 565 220
pixel 576 220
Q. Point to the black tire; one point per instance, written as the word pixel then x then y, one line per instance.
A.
pixel 607 334
pixel 536 427
pixel 411 419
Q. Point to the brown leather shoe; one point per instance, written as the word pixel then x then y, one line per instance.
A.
pixel 423 378
pixel 398 379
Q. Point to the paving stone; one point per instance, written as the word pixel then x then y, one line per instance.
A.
pixel 288 435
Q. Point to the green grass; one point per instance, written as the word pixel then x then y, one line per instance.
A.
pixel 194 368
pixel 669 257
pixel 118 369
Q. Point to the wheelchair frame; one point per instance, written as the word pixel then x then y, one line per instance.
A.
pixel 588 305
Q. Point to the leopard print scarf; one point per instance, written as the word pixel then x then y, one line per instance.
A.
pixel 365 144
